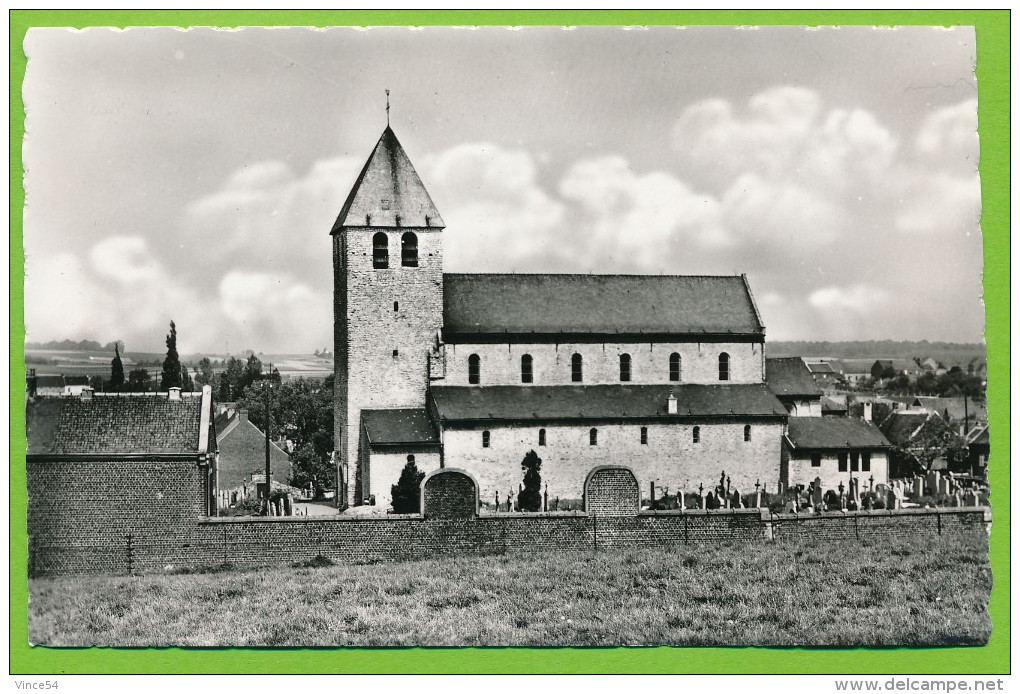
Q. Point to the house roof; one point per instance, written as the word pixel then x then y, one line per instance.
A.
pixel 816 433
pixel 978 435
pixel 49 381
pixel 399 427
pixel 955 407
pixel 388 192
pixel 602 304
pixel 822 367
pixel 902 427
pixel 520 403
pixel 76 380
pixel 790 376
pixel 117 425
pixel 227 423
pixel 833 405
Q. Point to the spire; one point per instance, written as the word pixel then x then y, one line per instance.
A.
pixel 388 192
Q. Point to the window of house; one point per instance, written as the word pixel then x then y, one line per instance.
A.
pixel 644 435
pixel 841 457
pixel 593 437
pixel 854 462
pixel 474 369
pixel 816 460
pixel 674 367
pixel 724 367
pixel 409 250
pixel 865 462
pixel 380 251
pixel 624 367
pixel 485 439
pixel 396 353
pixel 396 305
pixel 576 369
pixel 527 373
pixel 696 435
pixel 541 437
pixel 747 432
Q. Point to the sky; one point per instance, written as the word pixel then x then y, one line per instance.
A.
pixel 195 175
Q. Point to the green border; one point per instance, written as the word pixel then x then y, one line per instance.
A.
pixel 992 29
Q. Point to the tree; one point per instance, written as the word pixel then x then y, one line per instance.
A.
pixel 139 381
pixel 530 498
pixel 171 377
pixel 311 468
pixel 116 370
pixel 406 492
pixel 187 385
pixel 204 375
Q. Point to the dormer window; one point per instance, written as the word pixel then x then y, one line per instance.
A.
pixel 380 251
pixel 409 250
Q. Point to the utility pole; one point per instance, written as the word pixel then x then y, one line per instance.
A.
pixel 269 423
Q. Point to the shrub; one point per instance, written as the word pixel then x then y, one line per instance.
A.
pixel 406 492
pixel 530 499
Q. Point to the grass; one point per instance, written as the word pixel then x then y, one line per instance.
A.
pixel 922 591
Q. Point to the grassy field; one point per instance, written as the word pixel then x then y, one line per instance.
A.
pixel 927 591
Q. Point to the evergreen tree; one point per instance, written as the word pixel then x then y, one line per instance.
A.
pixel 530 498
pixel 116 371
pixel 406 492
pixel 172 364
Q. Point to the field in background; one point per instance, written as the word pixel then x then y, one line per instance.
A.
pixel 919 591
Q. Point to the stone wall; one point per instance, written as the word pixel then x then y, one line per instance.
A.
pixel 699 362
pixel 670 459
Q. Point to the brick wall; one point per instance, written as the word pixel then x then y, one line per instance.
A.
pixel 699 362
pixel 611 490
pixel 81 515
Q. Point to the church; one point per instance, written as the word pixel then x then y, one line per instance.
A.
pixel 663 374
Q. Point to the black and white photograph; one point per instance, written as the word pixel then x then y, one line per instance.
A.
pixel 505 336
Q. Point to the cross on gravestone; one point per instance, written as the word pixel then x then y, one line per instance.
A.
pixel 871 482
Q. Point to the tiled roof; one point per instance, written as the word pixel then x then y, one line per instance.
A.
pixel 518 403
pixel 978 435
pixel 602 304
pixel 388 188
pixel 834 432
pixel 821 368
pixel 114 425
pixel 955 407
pixel 833 405
pixel 790 376
pixel 903 427
pixel 392 427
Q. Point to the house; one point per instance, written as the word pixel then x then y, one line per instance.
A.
pixel 824 373
pixel 833 450
pixel 919 437
pixel 472 371
pixel 791 381
pixel 41 384
pixel 964 411
pixel 978 449
pixel 854 371
pixel 103 466
pixel 242 454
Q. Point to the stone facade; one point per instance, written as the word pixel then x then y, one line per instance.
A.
pixel 670 459
pixel 699 362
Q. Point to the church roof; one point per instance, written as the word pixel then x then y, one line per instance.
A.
pixel 815 433
pixel 388 192
pixel 564 305
pixel 399 427
pixel 603 402
pixel 790 376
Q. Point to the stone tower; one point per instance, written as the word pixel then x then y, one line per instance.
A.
pixel 387 297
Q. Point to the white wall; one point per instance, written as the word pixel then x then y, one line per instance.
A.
pixel 802 472
pixel 385 468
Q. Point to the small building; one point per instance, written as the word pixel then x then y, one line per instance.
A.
pixel 791 381
pixel 824 374
pixel 834 450
pixel 977 450
pixel 389 440
pixel 242 452
pixel 917 436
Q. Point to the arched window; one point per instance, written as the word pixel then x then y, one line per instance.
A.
pixel 593 437
pixel 696 435
pixel 624 367
pixel 527 375
pixel 576 369
pixel 674 367
pixel 474 369
pixel 724 367
pixel 644 435
pixel 485 439
pixel 380 251
pixel 409 250
pixel 747 432
pixel 541 437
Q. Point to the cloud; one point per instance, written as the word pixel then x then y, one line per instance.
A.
pixel 269 310
pixel 949 138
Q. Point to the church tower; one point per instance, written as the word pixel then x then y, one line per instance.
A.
pixel 387 297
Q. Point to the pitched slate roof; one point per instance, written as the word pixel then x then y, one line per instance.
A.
pixel 955 407
pixel 790 376
pixel 833 405
pixel 816 433
pixel 522 403
pixel 823 367
pixel 602 304
pixel 399 427
pixel 388 192
pixel 903 427
pixel 114 425
pixel 978 435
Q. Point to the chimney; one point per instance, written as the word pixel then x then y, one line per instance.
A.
pixel 671 407
pixel 174 394
pixel 86 393
pixel 242 416
pixel 867 411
